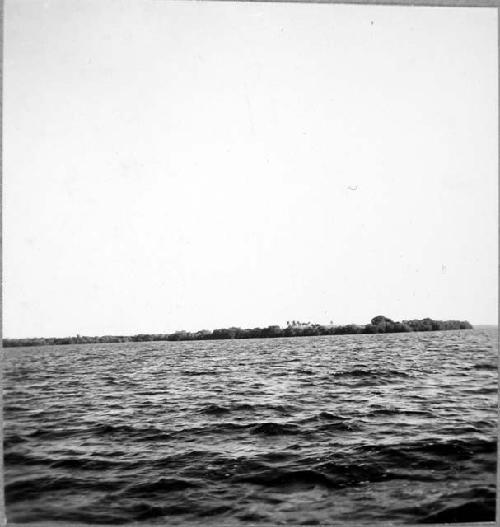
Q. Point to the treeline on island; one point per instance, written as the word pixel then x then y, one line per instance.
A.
pixel 378 324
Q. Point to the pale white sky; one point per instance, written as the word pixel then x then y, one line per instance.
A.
pixel 186 165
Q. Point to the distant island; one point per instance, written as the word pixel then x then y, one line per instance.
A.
pixel 378 324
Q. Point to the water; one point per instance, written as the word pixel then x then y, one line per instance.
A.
pixel 355 428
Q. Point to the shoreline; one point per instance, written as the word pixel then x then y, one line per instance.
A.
pixel 378 324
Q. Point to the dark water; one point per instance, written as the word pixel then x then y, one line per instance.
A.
pixel 313 430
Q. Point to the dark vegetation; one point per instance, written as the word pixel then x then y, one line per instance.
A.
pixel 379 324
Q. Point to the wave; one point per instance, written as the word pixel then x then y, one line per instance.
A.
pixel 475 505
pixel 17 458
pixel 89 464
pixel 160 486
pixel 472 511
pixel 55 432
pixel 396 411
pixel 427 454
pixel 331 475
pixel 215 409
pixel 486 366
pixel 198 373
pixel 255 428
pixel 100 430
pixel 274 429
pixel 64 517
pixel 14 408
pixel 73 463
pixel 357 372
pixel 458 448
pixel 284 478
pixel 141 434
pixel 24 489
pixel 339 427
pixel 323 416
pixel 12 440
pixel 328 422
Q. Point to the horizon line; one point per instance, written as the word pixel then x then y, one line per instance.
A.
pixel 114 334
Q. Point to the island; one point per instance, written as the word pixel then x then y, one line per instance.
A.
pixel 378 324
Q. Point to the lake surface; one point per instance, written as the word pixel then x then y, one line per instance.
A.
pixel 354 428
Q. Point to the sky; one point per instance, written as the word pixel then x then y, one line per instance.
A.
pixel 195 165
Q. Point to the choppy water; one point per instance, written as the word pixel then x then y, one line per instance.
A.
pixel 357 428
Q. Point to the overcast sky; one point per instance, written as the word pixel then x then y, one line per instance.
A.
pixel 189 165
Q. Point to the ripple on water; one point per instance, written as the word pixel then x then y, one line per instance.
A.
pixel 353 428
